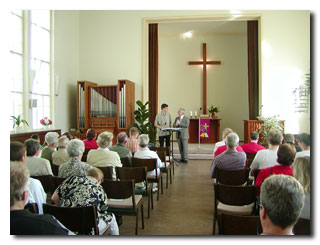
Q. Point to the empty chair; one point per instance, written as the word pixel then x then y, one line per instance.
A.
pixel 230 199
pixel 107 171
pixel 81 220
pixel 138 174
pixel 128 203
pixel 238 224
pixel 151 165
pixel 162 153
pixel 232 177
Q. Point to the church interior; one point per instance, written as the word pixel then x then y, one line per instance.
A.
pixel 98 63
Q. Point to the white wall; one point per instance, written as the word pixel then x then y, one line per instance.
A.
pixel 110 48
pixel 66 66
pixel 180 85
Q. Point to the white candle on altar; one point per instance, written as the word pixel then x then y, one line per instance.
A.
pixel 190 113
pixel 195 113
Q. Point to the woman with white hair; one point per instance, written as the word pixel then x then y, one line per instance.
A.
pixel 74 166
pixel 51 139
pixel 145 152
pixel 225 133
pixel 61 155
pixel 103 157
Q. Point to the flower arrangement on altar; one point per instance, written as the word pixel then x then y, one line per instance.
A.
pixel 45 121
pixel 213 109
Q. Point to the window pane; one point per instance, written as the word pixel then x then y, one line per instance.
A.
pixel 41 81
pixel 41 18
pixel 42 110
pixel 15 72
pixel 16 104
pixel 16 33
pixel 40 43
pixel 17 12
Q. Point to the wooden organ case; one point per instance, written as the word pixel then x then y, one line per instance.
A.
pixel 105 108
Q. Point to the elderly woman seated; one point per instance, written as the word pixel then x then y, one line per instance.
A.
pixel 82 191
pixel 61 155
pixel 102 157
pixel 145 152
pixel 51 139
pixel 74 166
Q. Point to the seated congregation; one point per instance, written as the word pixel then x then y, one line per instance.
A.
pixel 271 196
pixel 58 175
pixel 277 176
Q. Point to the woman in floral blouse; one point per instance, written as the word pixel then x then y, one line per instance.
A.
pixel 74 166
pixel 82 191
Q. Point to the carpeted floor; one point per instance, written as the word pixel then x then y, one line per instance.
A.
pixel 185 208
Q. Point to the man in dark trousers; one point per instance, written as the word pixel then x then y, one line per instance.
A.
pixel 182 122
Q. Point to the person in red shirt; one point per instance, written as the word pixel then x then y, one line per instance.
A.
pixel 90 142
pixel 223 148
pixel 286 154
pixel 253 146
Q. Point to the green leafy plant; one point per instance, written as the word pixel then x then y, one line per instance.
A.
pixel 268 123
pixel 213 109
pixel 143 124
pixel 18 120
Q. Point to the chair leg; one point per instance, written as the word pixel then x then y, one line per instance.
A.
pixel 149 201
pixel 158 192
pixel 170 176
pixel 173 168
pixel 161 185
pixel 137 218
pixel 214 224
pixel 167 179
pixel 151 196
pixel 142 218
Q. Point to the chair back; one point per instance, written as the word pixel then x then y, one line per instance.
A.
pixel 121 189
pixel 32 207
pixel 57 181
pixel 125 162
pixel 150 163
pixel 250 157
pixel 302 227
pixel 235 195
pixel 46 182
pixel 77 219
pixel 162 152
pixel 107 172
pixel 238 224
pixel 138 174
pixel 55 169
pixel 84 155
pixel 232 177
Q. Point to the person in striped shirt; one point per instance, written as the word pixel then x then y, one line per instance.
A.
pixel 132 143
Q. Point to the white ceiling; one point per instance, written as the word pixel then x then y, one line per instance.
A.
pixel 202 27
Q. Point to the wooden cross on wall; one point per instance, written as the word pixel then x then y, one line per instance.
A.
pixel 204 64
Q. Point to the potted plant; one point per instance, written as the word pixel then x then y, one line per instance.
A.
pixel 143 124
pixel 266 124
pixel 213 110
pixel 17 121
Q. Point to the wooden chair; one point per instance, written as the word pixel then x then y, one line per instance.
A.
pixel 250 157
pixel 232 177
pixel 107 172
pixel 239 225
pixel 126 162
pixel 81 220
pixel 55 169
pixel 57 181
pixel 46 181
pixel 162 153
pixel 230 199
pixel 84 155
pixel 151 165
pixel 302 227
pixel 129 203
pixel 138 174
pixel 32 208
